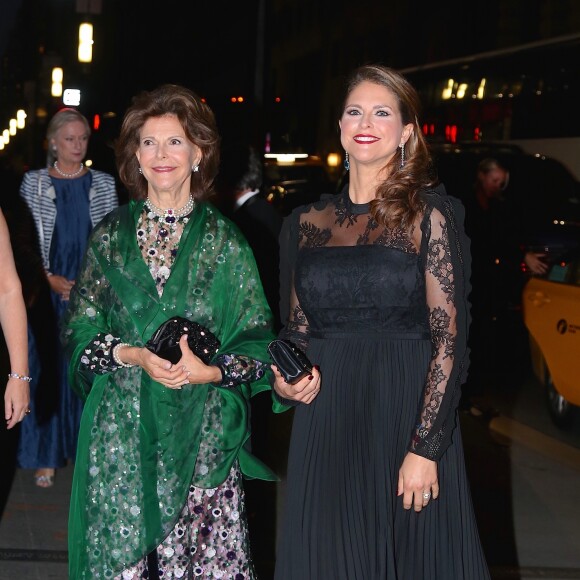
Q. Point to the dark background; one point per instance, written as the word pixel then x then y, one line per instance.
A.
pixel 297 51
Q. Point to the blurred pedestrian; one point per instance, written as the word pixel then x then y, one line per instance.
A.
pixel 498 251
pixel 375 283
pixel 66 200
pixel 239 184
pixel 493 224
pixel 157 489
pixel 13 322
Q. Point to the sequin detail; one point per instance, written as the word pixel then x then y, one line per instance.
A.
pixel 210 539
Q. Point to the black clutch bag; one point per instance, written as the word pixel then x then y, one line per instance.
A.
pixel 292 363
pixel 165 340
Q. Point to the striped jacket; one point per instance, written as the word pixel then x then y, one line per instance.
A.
pixel 39 194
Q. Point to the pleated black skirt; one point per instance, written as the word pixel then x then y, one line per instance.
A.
pixel 342 518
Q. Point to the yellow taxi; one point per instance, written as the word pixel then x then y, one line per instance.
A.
pixel 551 310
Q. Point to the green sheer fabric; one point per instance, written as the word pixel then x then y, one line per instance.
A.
pixel 139 443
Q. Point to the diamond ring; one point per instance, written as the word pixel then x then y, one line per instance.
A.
pixel 426 495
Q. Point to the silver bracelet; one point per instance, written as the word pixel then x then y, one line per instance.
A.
pixel 20 377
pixel 116 358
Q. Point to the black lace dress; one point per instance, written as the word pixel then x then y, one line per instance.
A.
pixel 385 316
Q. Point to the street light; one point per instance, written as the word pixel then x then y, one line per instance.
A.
pixel 57 76
pixel 86 42
pixel 72 97
pixel 20 118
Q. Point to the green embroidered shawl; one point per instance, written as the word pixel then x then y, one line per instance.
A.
pixel 141 445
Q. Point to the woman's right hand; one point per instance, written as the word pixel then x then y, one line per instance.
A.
pixel 304 391
pixel 61 285
pixel 159 369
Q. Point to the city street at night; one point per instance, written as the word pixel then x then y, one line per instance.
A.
pixel 153 157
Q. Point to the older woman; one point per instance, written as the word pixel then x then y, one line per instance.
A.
pixel 375 283
pixel 157 488
pixel 66 200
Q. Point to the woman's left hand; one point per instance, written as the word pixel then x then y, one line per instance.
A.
pixel 16 399
pixel 418 482
pixel 199 372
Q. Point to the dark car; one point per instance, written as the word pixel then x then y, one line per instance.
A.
pixel 544 195
pixel 541 214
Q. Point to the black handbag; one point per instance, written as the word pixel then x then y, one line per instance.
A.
pixel 165 340
pixel 292 363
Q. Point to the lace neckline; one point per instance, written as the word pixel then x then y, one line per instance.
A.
pixel 355 208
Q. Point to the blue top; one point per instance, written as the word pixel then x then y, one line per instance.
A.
pixel 73 225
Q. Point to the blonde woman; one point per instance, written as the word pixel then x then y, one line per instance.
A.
pixel 66 200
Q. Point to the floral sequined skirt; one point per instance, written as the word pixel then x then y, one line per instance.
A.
pixel 209 540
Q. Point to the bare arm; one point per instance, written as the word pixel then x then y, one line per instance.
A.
pixel 14 327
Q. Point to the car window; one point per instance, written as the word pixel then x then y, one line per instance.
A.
pixel 558 272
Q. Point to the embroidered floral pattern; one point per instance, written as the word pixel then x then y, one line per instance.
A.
pixel 159 254
pixel 239 369
pixel 340 223
pixel 159 242
pixel 116 494
pixel 98 355
pixel 210 539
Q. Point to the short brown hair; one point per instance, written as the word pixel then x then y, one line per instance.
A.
pixel 198 122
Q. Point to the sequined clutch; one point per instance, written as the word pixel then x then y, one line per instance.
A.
pixel 165 340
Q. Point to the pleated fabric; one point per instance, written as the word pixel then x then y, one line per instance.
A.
pixel 343 518
pixel 385 317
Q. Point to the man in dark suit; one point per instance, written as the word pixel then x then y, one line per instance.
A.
pixel 239 185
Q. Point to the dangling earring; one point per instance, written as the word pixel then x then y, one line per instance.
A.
pixel 346 162
pixel 402 146
pixel 140 171
pixel 195 168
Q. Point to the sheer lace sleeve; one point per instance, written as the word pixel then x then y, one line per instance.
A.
pixel 295 324
pixel 446 262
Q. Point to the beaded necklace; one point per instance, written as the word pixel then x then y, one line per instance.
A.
pixel 68 175
pixel 170 214
pixel 158 234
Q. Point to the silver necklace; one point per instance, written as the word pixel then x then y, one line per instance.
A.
pixel 170 215
pixel 69 175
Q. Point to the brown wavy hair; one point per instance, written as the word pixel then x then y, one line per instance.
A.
pixel 198 123
pixel 398 200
